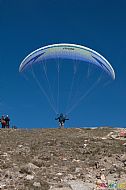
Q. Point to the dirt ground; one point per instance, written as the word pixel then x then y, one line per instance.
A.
pixel 53 158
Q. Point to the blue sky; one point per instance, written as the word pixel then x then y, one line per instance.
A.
pixel 29 24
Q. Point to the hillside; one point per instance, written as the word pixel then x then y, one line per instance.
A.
pixel 61 159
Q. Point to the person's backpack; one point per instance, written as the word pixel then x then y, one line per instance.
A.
pixel 3 122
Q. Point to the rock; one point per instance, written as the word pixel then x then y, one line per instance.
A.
pixel 114 136
pixel 20 145
pixel 98 182
pixel 85 145
pixel 71 177
pixel 44 185
pixel 98 176
pixel 123 158
pixel 59 174
pixel 37 162
pixel 77 170
pixel 113 169
pixel 85 140
pixel 36 184
pixel 28 168
pixel 62 188
pixel 2 185
pixel 32 166
pixel 105 160
pixel 8 174
pixel 110 134
pixel 89 176
pixel 64 159
pixel 104 138
pixel 102 169
pixel 5 154
pixel 74 160
pixel 103 177
pixel 20 175
pixel 97 164
pixel 25 170
pixel 29 177
pixel 80 185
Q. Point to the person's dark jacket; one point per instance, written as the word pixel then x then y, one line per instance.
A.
pixel 61 119
pixel 7 119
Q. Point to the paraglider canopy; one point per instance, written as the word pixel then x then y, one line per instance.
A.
pixel 66 73
pixel 68 51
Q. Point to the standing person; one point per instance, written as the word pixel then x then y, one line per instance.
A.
pixel 3 122
pixel 62 120
pixel 7 120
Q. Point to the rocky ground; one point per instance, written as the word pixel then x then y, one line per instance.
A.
pixel 62 159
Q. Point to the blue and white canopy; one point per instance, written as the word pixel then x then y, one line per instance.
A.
pixel 68 51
